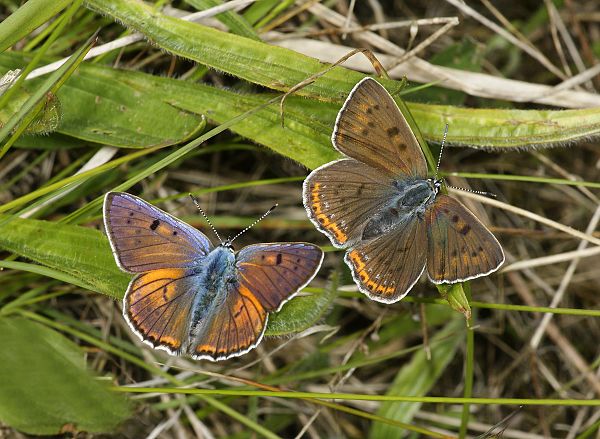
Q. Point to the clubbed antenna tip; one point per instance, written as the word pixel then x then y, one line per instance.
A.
pixel 263 216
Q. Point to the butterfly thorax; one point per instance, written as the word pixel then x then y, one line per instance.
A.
pixel 410 198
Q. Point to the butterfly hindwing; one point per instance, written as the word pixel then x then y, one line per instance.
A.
pixel 145 238
pixel 266 276
pixel 236 325
pixel 157 305
pixel 386 268
pixel 460 247
pixel 340 198
pixel 274 272
pixel 371 129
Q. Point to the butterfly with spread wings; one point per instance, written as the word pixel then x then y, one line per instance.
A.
pixel 191 298
pixel 378 203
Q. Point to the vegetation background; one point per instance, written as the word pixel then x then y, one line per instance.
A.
pixel 166 107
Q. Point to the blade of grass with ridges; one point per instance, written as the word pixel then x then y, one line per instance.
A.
pixel 31 15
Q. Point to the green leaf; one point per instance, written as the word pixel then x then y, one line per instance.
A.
pixel 28 17
pixel 28 111
pixel 303 312
pixel 417 377
pixel 46 388
pixel 100 108
pixel 45 121
pixel 80 252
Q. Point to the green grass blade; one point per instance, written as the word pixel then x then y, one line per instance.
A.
pixel 36 101
pixel 62 22
pixel 236 23
pixel 28 17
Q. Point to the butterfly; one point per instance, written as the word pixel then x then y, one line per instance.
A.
pixel 191 298
pixel 378 203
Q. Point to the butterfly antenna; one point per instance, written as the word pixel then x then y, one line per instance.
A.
pixel 485 194
pixel 437 167
pixel 195 200
pixel 263 216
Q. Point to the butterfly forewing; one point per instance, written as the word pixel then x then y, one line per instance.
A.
pixel 341 196
pixel 274 272
pixel 386 268
pixel 145 238
pixel 157 306
pixel 370 128
pixel 460 247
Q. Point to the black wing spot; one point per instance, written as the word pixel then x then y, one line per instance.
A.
pixel 164 291
pixel 297 260
pixel 369 110
pixel 154 224
pixel 174 232
pixel 128 221
pixel 455 219
pixel 364 132
pixel 130 213
pixel 278 259
pixel 393 131
pixel 466 229
pixel 376 107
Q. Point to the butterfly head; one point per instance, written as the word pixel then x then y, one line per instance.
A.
pixel 227 244
pixel 435 184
